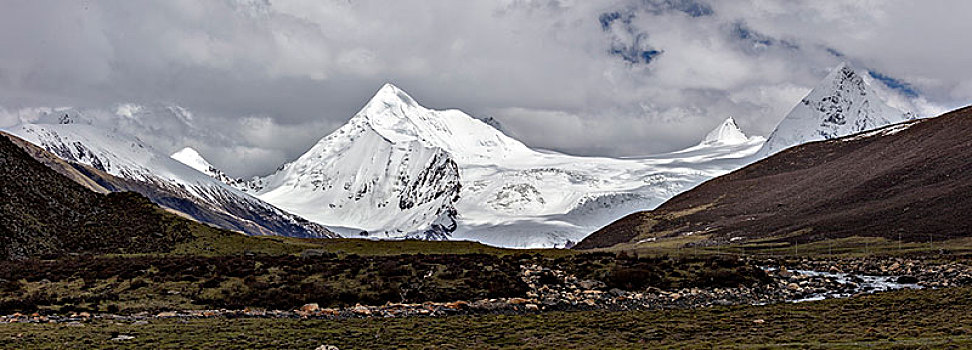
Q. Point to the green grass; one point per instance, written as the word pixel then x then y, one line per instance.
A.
pixel 370 247
pixel 207 241
pixel 899 320
pixel 850 247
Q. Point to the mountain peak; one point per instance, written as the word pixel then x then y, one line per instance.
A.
pixel 389 95
pixel 843 103
pixel 193 159
pixel 397 118
pixel 726 133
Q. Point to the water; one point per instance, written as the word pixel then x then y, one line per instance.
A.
pixel 865 284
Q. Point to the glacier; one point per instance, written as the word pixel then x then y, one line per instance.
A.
pixel 400 170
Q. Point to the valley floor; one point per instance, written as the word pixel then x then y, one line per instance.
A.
pixel 484 297
pixel 901 320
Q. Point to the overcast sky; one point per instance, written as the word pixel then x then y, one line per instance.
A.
pixel 254 83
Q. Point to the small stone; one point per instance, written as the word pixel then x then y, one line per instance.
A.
pixel 588 284
pixel 361 310
pixel 326 347
pixel 458 305
pixel 759 321
pixel 312 307
pixel 516 301
pixel 907 280
pixel 531 307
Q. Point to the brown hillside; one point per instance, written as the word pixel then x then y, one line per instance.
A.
pixel 44 213
pixel 911 181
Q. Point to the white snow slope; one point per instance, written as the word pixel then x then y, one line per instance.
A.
pixel 165 180
pixel 397 170
pixel 842 104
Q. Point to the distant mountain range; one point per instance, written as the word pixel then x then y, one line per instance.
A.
pixel 399 170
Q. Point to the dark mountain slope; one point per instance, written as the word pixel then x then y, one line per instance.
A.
pixel 911 180
pixel 232 215
pixel 43 213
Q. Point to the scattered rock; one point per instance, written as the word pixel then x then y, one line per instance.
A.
pixel 122 337
pixel 312 307
pixel 587 284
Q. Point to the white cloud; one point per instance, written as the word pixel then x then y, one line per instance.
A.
pixel 263 79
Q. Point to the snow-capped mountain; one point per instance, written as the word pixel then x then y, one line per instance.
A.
pixel 189 156
pixel 842 104
pixel 164 180
pixel 727 133
pixel 397 169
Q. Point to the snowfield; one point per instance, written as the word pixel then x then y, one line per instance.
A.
pixel 399 170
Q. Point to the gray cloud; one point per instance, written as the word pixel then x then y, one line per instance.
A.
pixel 264 80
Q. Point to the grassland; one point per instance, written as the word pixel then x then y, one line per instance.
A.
pixel 898 320
pixel 849 247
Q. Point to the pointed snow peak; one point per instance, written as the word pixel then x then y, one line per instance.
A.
pixel 726 133
pixel 842 66
pixel 190 157
pixel 390 95
pixel 842 104
pixel 840 74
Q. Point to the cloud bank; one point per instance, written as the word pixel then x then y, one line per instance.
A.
pixel 261 81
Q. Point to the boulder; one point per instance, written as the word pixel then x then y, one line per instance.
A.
pixel 312 307
pixel 907 280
